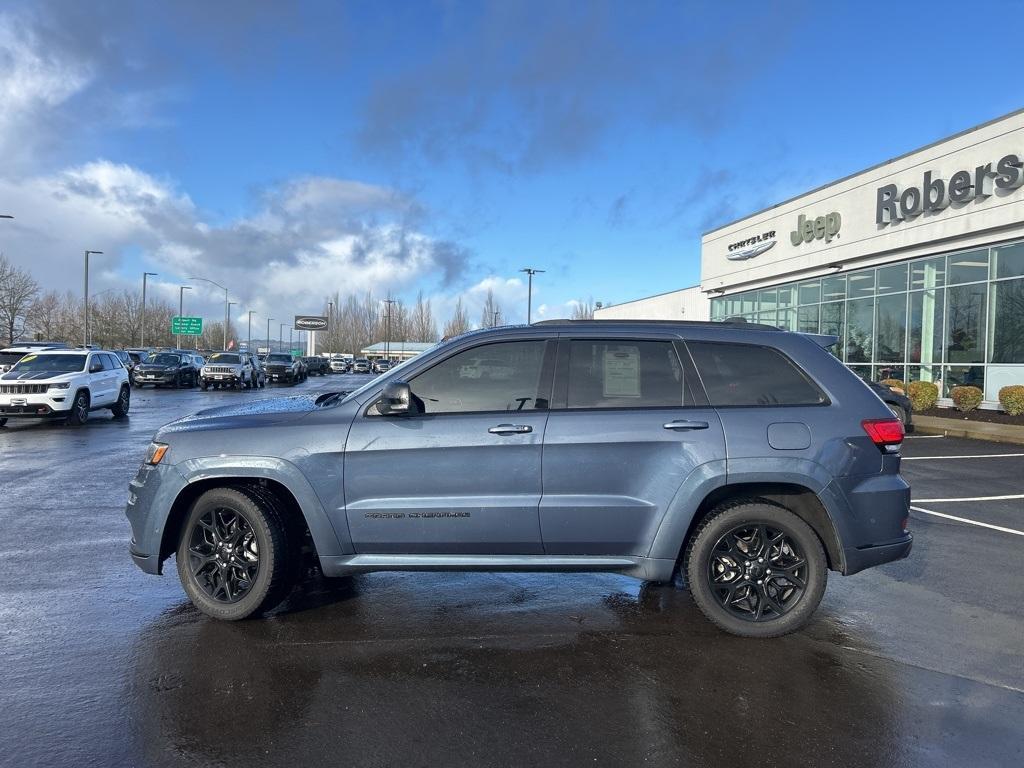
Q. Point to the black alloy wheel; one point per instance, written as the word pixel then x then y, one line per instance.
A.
pixel 79 410
pixel 757 572
pixel 756 569
pixel 223 555
pixel 120 408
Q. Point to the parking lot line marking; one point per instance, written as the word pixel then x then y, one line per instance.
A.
pixel 923 437
pixel 969 522
pixel 972 498
pixel 975 456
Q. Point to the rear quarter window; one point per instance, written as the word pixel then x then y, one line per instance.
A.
pixel 752 375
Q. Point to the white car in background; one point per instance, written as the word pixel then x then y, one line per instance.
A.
pixel 64 384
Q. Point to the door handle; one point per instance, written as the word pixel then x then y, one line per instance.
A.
pixel 510 429
pixel 682 425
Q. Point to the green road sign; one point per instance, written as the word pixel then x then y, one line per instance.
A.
pixel 187 326
pixel 296 351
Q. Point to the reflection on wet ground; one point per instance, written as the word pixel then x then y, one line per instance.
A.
pixel 913 664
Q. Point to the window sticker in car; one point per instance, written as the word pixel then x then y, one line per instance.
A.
pixel 622 373
pixel 28 358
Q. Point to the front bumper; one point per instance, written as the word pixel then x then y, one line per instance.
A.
pixel 37 406
pixel 280 375
pixel 154 378
pixel 221 378
pixel 151 494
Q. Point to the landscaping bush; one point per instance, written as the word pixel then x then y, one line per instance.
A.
pixel 923 395
pixel 1012 399
pixel 966 398
pixel 894 384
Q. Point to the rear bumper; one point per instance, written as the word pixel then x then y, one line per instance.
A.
pixel 868 557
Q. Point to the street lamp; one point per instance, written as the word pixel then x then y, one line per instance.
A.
pixel 280 337
pixel 226 309
pixel 269 345
pixel 330 327
pixel 142 339
pixel 529 291
pixel 387 329
pixel 86 293
pixel 249 343
pixel 181 304
pixel 227 323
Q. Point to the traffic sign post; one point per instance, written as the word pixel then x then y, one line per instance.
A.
pixel 187 326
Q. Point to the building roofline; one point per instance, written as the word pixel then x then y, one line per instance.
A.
pixel 653 296
pixel 876 166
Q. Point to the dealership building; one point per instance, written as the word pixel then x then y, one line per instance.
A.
pixel 916 264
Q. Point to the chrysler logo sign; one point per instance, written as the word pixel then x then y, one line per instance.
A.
pixel 310 323
pixel 751 247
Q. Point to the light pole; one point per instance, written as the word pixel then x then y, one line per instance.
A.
pixel 86 294
pixel 270 346
pixel 530 271
pixel 226 309
pixel 181 305
pixel 249 343
pixel 330 327
pixel 227 323
pixel 280 337
pixel 142 339
pixel 291 344
pixel 387 329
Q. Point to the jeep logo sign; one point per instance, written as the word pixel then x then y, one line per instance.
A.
pixel 821 228
pixel 310 323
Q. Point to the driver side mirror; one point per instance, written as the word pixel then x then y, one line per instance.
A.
pixel 396 400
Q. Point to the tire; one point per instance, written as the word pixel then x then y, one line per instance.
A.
pixel 3 422
pixel 898 412
pixel 276 547
pixel 203 386
pixel 124 401
pixel 79 413
pixel 717 544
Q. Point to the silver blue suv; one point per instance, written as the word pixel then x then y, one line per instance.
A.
pixel 747 460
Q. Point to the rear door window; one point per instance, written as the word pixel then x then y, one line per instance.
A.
pixel 751 375
pixel 627 373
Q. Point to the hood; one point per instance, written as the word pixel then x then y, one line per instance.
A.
pixel 36 376
pixel 255 413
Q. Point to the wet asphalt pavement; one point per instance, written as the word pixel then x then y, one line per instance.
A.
pixel 916 663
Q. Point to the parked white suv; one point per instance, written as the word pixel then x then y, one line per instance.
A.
pixel 228 369
pixel 64 384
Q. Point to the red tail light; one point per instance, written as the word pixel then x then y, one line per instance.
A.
pixel 887 434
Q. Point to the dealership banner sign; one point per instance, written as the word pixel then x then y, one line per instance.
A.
pixel 310 323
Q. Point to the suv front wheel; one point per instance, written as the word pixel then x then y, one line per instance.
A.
pixel 237 555
pixel 755 569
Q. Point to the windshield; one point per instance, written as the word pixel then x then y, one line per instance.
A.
pixel 279 359
pixel 50 364
pixel 165 359
pixel 223 357
pixel 396 370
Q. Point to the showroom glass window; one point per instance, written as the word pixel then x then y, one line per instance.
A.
pixel 502 377
pixel 963 317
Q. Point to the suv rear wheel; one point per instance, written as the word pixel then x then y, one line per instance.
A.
pixel 755 569
pixel 120 408
pixel 237 555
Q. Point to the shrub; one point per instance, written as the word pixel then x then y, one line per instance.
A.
pixel 894 384
pixel 1012 399
pixel 966 398
pixel 923 395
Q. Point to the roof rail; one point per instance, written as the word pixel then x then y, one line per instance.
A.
pixel 737 322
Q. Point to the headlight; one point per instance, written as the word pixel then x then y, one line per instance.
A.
pixel 155 453
pixel 63 385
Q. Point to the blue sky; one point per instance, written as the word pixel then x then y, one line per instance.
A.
pixel 293 149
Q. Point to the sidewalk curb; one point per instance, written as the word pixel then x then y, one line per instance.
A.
pixel 977 430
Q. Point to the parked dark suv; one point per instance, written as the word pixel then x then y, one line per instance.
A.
pixel 748 458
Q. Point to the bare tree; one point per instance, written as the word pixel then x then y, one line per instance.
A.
pixel 459 321
pixel 17 292
pixel 491 314
pixel 424 327
pixel 583 310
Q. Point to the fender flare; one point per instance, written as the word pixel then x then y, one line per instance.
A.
pixel 325 537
